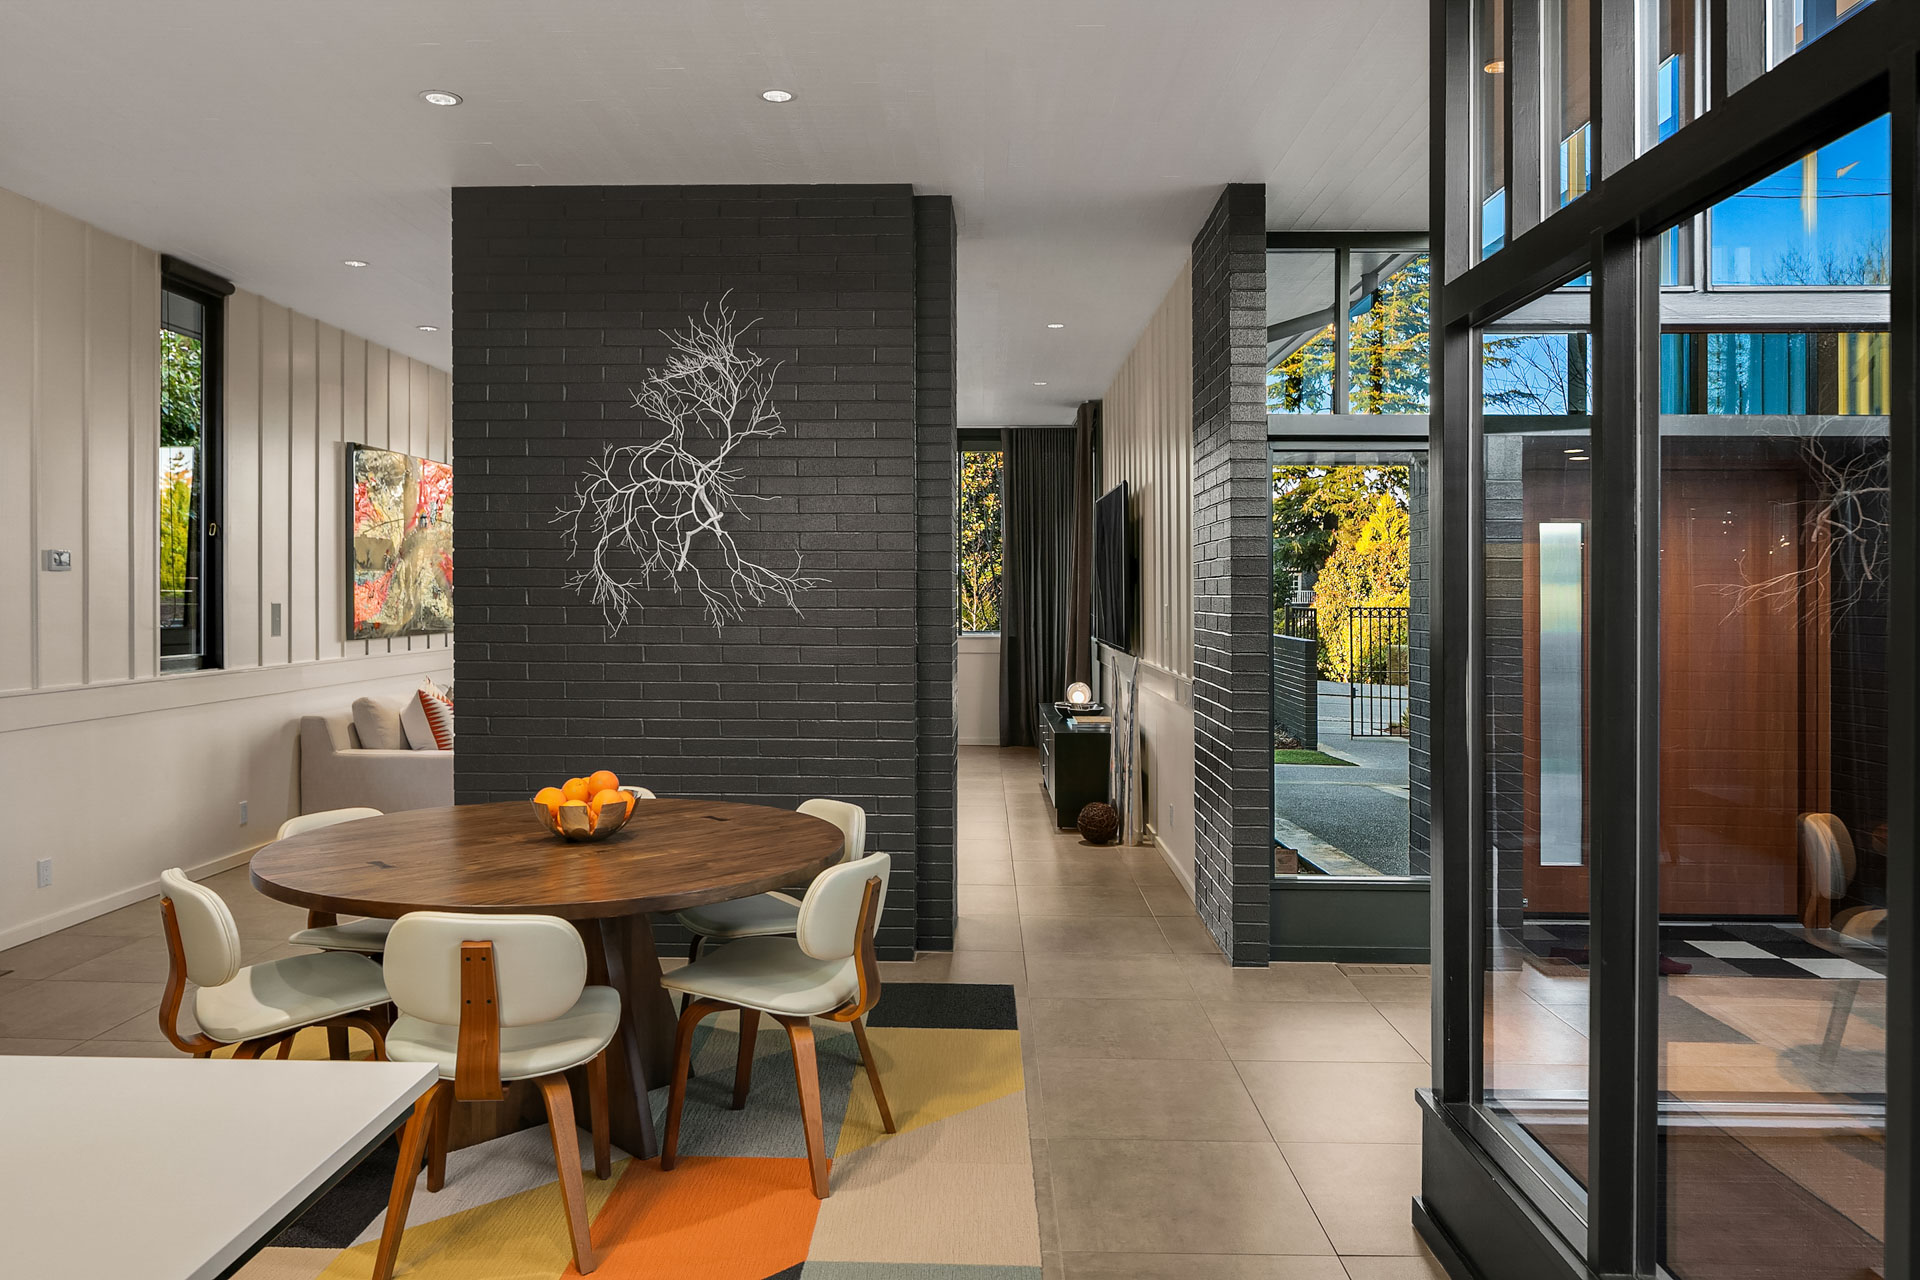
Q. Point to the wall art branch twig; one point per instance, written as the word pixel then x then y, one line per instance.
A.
pixel 661 512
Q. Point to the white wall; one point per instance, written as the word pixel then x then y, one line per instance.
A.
pixel 1147 441
pixel 87 725
pixel 976 691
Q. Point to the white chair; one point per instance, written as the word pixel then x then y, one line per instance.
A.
pixel 254 1006
pixel 827 970
pixel 489 999
pixel 367 937
pixel 773 914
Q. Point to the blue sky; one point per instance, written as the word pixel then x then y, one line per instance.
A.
pixel 1853 209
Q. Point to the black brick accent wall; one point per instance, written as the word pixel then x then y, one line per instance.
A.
pixel 1296 688
pixel 937 446
pixel 560 297
pixel 1504 692
pixel 1232 533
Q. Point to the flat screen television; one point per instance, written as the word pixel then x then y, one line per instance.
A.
pixel 1112 571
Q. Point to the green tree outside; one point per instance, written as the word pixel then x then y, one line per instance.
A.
pixel 979 584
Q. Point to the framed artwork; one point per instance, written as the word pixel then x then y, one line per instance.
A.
pixel 399 543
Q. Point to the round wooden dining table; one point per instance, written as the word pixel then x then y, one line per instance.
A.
pixel 494 858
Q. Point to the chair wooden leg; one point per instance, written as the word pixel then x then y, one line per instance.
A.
pixel 285 1050
pixel 413 1143
pixel 873 1074
pixel 566 1158
pixel 693 953
pixel 251 1048
pixel 682 1058
pixel 743 1067
pixel 369 1026
pixel 437 1141
pixel 806 1073
pixel 597 1115
pixel 337 1049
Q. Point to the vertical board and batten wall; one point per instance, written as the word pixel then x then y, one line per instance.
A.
pixel 1147 441
pixel 83 705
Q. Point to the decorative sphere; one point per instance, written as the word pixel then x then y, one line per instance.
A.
pixel 1098 822
pixel 1079 694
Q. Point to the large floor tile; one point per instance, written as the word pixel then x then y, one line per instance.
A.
pixel 59 952
pixel 1098 873
pixel 1081 900
pixel 1362 1192
pixel 73 1010
pixel 1422 1267
pixel 986 932
pixel 983 870
pixel 104 1048
pixel 1338 1101
pixel 1147 1098
pixel 1165 899
pixel 1412 1021
pixel 1212 978
pixel 986 900
pixel 1199 1266
pixel 1130 1196
pixel 37 1048
pixel 136 921
pixel 1106 935
pixel 1097 977
pixel 1307 1031
pixel 1185 933
pixel 1174 1029
pixel 1393 987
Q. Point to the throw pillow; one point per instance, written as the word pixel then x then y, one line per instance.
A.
pixel 428 720
pixel 377 725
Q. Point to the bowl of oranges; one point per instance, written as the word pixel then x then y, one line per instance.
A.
pixel 590 808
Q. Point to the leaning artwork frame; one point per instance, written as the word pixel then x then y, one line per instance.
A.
pixel 399 544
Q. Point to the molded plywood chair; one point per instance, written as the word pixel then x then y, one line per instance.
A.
pixel 260 1005
pixel 773 914
pixel 827 970
pixel 1828 863
pixel 489 999
pixel 368 937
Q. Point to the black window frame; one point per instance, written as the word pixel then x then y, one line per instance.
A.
pixel 211 292
pixel 1477 1208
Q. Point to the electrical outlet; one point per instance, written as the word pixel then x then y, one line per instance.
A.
pixel 243 813
pixel 276 620
pixel 43 873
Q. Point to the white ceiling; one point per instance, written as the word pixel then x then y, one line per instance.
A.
pixel 1083 141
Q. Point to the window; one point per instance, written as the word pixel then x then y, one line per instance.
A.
pixel 188 475
pixel 979 553
pixel 1347 323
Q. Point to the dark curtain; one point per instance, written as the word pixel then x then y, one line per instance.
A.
pixel 1080 598
pixel 1036 575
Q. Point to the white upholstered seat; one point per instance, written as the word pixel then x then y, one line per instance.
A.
pixel 369 936
pixel 559 1045
pixel 772 975
pixel 772 914
pixel 253 1005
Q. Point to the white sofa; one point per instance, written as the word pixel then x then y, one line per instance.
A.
pixel 336 772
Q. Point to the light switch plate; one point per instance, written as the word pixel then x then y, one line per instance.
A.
pixel 57 561
pixel 276 620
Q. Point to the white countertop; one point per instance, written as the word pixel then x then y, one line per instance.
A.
pixel 172 1168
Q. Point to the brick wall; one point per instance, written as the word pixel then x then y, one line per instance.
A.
pixel 1296 688
pixel 1232 533
pixel 939 631
pixel 560 297
pixel 1504 690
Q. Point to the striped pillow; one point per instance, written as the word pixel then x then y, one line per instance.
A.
pixel 428 720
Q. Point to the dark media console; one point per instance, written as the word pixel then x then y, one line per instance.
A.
pixel 1073 763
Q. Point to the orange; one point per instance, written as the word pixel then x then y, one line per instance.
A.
pixel 602 780
pixel 577 791
pixel 606 798
pixel 552 797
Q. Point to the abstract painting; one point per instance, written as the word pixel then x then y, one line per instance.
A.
pixel 400 543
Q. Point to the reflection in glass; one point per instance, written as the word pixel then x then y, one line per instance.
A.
pixel 1792 25
pixel 1490 107
pixel 1388 333
pixel 1534 373
pixel 1538 511
pixel 1673 68
pixel 1821 221
pixel 1300 340
pixel 1568 39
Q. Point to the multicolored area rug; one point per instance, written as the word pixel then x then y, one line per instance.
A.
pixel 948 1197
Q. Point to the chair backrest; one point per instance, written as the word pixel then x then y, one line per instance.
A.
pixel 209 939
pixel 1826 850
pixel 829 926
pixel 539 965
pixel 325 818
pixel 640 793
pixel 850 818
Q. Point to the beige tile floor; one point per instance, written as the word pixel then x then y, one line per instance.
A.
pixel 1189 1121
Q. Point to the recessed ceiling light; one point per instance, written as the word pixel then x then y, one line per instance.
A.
pixel 777 95
pixel 1495 67
pixel 440 97
pixel 353 262
pixel 1573 451
pixel 1039 384
pixel 1055 324
pixel 429 328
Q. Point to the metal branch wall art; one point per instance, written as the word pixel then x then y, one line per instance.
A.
pixel 663 512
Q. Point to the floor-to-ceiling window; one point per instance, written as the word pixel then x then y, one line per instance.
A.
pixel 1674 746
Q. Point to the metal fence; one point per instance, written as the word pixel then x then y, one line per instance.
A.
pixel 1302 621
pixel 1378 664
